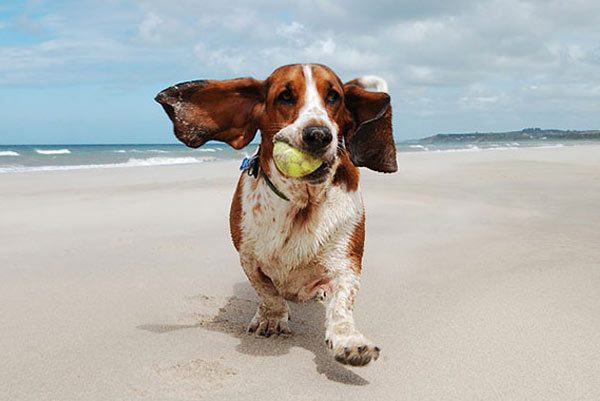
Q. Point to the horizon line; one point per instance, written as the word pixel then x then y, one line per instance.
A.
pixel 396 140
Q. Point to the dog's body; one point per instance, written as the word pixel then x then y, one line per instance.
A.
pixel 310 244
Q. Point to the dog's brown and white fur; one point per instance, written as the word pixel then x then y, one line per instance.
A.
pixel 312 245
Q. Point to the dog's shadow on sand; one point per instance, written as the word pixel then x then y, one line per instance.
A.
pixel 307 322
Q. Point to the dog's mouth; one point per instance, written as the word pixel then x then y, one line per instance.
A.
pixel 319 175
pixel 297 162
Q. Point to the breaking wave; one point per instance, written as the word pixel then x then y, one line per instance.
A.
pixel 52 151
pixel 152 161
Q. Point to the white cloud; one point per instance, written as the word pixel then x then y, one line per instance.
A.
pixel 230 59
pixel 440 58
pixel 290 30
pixel 149 29
pixel 320 48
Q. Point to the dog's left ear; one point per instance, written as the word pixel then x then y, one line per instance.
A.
pixel 226 111
pixel 369 137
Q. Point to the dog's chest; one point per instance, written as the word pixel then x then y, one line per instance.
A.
pixel 283 236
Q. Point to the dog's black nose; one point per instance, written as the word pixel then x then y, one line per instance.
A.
pixel 316 136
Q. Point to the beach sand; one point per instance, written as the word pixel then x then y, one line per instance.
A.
pixel 481 281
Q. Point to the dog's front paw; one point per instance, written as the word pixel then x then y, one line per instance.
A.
pixel 353 349
pixel 321 295
pixel 266 323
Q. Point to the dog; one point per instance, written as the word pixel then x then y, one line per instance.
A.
pixel 297 238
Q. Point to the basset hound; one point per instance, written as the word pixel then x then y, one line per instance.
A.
pixel 298 238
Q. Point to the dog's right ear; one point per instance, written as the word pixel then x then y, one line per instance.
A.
pixel 370 141
pixel 226 111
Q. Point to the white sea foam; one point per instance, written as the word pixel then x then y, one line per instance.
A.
pixel 494 148
pixel 53 151
pixel 8 153
pixel 476 149
pixel 152 161
pixel 161 161
pixel 425 148
pixel 140 151
pixel 470 148
pixel 207 150
pixel 147 151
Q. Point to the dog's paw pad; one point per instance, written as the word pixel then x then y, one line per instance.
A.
pixel 321 295
pixel 353 351
pixel 266 327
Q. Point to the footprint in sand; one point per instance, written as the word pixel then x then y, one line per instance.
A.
pixel 192 379
pixel 228 315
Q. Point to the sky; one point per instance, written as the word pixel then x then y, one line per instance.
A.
pixel 81 71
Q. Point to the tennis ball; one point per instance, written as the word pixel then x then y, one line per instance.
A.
pixel 293 162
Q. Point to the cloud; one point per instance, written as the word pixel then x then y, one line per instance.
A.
pixel 441 59
pixel 150 28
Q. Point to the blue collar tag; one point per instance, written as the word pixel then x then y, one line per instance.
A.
pixel 245 163
pixel 250 165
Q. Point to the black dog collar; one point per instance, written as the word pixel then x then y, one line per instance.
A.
pixel 252 167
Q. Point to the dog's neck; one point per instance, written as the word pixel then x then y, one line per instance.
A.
pixel 301 193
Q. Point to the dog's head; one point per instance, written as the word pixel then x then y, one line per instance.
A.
pixel 306 106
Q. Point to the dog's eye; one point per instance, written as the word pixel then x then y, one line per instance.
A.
pixel 332 97
pixel 286 97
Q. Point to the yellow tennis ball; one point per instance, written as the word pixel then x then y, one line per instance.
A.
pixel 293 162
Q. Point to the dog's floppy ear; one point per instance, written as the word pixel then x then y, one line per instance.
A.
pixel 369 138
pixel 226 111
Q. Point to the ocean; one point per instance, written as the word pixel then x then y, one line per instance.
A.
pixel 26 158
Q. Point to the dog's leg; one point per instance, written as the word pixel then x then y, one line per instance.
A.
pixel 349 346
pixel 272 314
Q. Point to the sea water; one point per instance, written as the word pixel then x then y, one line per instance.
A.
pixel 24 158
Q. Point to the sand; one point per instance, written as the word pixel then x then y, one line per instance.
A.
pixel 481 282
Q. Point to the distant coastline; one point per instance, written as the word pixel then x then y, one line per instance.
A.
pixel 526 134
pixel 28 158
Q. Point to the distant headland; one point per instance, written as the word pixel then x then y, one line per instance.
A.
pixel 526 134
